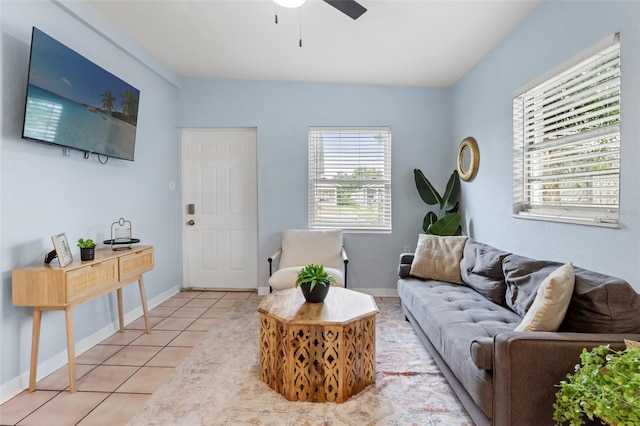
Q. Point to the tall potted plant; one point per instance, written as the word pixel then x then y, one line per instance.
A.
pixel 445 220
pixel 314 282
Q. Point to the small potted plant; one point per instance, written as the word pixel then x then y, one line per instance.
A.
pixel 87 249
pixel 314 282
pixel 605 385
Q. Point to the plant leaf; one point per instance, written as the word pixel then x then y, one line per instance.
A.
pixel 452 192
pixel 427 192
pixel 446 226
pixel 429 219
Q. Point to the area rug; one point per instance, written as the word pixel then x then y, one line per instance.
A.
pixel 219 383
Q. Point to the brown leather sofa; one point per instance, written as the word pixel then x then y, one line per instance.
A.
pixel 503 377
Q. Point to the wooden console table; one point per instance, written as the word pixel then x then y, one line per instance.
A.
pixel 49 287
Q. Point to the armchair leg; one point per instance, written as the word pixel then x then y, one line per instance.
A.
pixel 346 262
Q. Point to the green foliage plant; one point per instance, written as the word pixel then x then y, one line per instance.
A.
pixel 445 220
pixel 314 274
pixel 605 385
pixel 88 243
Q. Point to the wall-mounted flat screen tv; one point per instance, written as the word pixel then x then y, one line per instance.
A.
pixel 74 103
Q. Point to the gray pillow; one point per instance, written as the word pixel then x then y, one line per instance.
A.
pixel 481 269
pixel 602 304
pixel 523 277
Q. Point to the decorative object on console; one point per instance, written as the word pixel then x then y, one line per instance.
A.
pixel 63 252
pixel 447 220
pixel 605 385
pixel 87 249
pixel 314 282
pixel 468 159
pixel 121 236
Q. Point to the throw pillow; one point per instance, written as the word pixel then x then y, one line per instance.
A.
pixel 551 302
pixel 438 258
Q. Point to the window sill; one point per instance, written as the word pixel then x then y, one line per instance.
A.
pixel 609 223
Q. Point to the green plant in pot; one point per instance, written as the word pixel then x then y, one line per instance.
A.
pixel 87 249
pixel 314 282
pixel 446 219
pixel 605 385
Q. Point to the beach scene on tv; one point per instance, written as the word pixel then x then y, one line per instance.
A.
pixel 75 103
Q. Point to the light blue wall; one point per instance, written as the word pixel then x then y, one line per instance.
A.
pixel 552 34
pixel 43 193
pixel 282 112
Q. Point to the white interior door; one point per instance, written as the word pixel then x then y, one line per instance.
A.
pixel 219 171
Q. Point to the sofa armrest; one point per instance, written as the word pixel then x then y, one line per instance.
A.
pixel 404 265
pixel 527 366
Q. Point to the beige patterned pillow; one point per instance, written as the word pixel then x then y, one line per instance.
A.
pixel 438 258
pixel 551 302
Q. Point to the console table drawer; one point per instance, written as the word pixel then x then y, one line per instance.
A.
pixel 134 264
pixel 91 279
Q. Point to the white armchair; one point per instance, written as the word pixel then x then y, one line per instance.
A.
pixel 303 247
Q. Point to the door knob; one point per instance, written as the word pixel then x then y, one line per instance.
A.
pixel 191 222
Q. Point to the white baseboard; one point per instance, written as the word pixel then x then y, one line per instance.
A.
pixel 13 387
pixel 378 292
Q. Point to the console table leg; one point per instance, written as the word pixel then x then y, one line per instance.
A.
pixel 35 344
pixel 71 350
pixel 143 298
pixel 120 309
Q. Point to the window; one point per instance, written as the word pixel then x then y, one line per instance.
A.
pixel 567 141
pixel 350 178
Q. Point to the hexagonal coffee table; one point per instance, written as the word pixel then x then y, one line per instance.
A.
pixel 318 352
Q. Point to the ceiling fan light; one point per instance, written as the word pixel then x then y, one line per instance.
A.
pixel 289 3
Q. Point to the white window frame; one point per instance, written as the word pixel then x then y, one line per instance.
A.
pixel 335 153
pixel 566 141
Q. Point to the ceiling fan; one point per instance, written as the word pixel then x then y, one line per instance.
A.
pixel 351 8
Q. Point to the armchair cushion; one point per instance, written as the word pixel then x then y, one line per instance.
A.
pixel 304 247
pixel 286 277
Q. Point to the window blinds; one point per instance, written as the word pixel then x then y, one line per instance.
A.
pixel 350 178
pixel 567 142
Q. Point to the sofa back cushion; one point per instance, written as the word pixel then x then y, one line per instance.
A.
pixel 523 277
pixel 481 269
pixel 602 304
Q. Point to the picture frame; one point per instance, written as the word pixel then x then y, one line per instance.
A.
pixel 62 249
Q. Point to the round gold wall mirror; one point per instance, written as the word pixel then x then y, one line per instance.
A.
pixel 468 159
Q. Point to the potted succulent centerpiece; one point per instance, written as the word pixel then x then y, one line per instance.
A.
pixel 87 249
pixel 605 385
pixel 314 282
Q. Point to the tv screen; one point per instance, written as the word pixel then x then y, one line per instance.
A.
pixel 74 103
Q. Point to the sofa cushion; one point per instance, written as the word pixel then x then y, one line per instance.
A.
pixel 602 304
pixel 551 302
pixel 481 269
pixel 523 277
pixel 438 258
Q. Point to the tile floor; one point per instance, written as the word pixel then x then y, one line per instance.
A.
pixel 116 377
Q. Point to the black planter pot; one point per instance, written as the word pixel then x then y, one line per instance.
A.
pixel 87 253
pixel 318 294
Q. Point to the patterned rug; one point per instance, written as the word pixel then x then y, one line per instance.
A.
pixel 219 383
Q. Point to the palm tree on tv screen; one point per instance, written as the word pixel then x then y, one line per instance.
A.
pixel 129 104
pixel 107 100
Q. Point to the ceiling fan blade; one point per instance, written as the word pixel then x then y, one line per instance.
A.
pixel 351 8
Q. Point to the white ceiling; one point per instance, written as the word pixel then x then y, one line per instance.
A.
pixel 422 43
